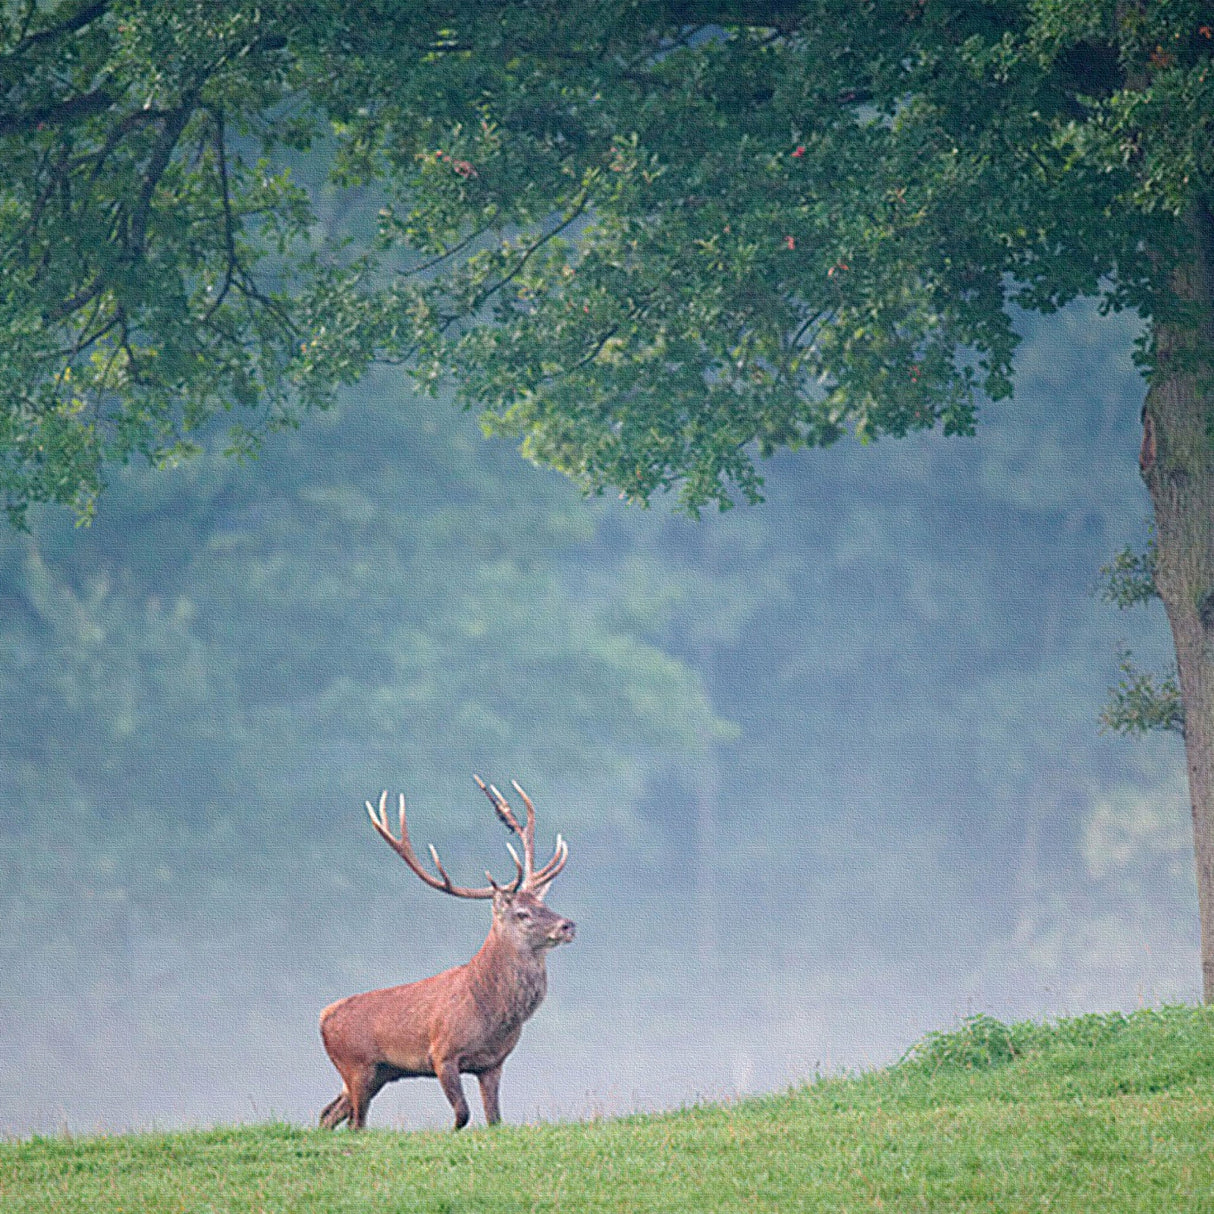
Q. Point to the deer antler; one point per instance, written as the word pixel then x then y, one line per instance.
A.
pixel 532 881
pixel 404 848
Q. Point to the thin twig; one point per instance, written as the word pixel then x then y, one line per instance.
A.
pixel 229 228
pixel 589 358
pixel 489 292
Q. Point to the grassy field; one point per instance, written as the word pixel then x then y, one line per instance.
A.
pixel 1098 1114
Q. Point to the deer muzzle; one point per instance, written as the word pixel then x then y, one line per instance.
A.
pixel 563 932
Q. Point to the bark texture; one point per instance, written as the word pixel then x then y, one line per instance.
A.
pixel 1177 462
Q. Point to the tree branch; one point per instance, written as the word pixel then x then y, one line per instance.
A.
pixel 82 17
pixel 458 247
pixel 587 359
pixel 175 123
pixel 60 114
pixel 124 127
pixel 63 310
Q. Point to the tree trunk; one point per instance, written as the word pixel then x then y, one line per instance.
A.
pixel 1177 463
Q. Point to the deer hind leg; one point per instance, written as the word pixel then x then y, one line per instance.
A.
pixel 489 1081
pixel 361 1084
pixel 448 1076
pixel 366 1084
pixel 335 1112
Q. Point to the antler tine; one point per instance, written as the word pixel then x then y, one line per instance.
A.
pixel 527 833
pixel 529 829
pixel 442 872
pixel 554 866
pixel 500 807
pixel 404 848
pixel 518 864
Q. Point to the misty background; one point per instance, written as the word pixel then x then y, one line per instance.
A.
pixel 829 767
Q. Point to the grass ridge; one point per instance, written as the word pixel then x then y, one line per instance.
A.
pixel 1108 1112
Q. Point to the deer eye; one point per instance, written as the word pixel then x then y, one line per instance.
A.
pixel 523 914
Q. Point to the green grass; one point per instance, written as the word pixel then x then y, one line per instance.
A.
pixel 1097 1114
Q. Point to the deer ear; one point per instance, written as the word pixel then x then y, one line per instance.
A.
pixel 502 898
pixel 540 892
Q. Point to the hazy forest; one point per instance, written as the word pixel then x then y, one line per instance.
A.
pixel 830 766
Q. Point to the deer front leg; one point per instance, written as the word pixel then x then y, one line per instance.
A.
pixel 448 1077
pixel 489 1081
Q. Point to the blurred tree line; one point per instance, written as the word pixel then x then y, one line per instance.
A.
pixel 201 687
pixel 386 601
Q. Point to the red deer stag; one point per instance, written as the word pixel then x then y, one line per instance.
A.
pixel 467 1019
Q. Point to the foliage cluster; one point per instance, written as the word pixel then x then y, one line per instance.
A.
pixel 1141 701
pixel 1111 1113
pixel 1129 578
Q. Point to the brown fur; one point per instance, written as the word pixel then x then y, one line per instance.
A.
pixel 463 1021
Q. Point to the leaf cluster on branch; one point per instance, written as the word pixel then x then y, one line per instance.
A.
pixel 1143 702
pixel 1129 578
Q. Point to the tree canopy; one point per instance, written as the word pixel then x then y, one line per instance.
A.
pixel 649 239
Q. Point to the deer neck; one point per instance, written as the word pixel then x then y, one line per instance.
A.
pixel 509 979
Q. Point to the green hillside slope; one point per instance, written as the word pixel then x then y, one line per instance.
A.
pixel 1109 1113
